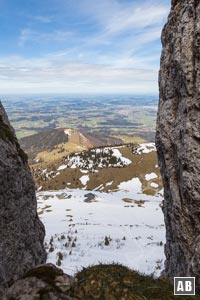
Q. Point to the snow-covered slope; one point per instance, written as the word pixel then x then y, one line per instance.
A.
pixel 84 227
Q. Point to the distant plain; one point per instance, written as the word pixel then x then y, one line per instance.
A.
pixel 126 117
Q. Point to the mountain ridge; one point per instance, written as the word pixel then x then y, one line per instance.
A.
pixel 46 145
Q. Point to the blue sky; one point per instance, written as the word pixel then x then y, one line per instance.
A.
pixel 80 46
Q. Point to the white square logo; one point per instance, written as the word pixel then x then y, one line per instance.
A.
pixel 184 286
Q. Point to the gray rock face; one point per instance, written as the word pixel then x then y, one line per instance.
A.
pixel 21 232
pixel 178 138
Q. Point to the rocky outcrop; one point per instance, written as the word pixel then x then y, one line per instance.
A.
pixel 43 282
pixel 21 232
pixel 178 138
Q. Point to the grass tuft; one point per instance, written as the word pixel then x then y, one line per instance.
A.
pixel 116 282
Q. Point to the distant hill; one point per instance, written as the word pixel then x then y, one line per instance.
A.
pixel 53 144
pixel 43 141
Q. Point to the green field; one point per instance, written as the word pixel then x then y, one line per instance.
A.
pixel 125 116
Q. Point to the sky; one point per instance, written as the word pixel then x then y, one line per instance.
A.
pixel 81 46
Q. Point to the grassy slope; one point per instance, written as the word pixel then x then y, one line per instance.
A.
pixel 141 165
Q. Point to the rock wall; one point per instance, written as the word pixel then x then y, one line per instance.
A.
pixel 178 138
pixel 21 232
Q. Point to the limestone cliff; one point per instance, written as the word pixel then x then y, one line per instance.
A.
pixel 21 232
pixel 178 138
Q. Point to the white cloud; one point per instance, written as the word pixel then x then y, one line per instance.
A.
pixel 134 18
pixel 27 35
pixel 127 29
pixel 115 17
pixel 43 75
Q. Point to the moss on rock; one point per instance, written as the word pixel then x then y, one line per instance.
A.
pixel 47 272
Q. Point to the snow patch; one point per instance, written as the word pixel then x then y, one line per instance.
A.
pixel 84 179
pixel 150 176
pixel 109 183
pixel 68 132
pixel 118 154
pixel 154 185
pixel 145 148
pixel 62 167
pixel 134 185
pixel 84 171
